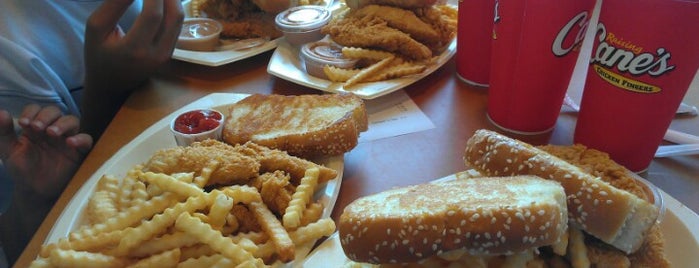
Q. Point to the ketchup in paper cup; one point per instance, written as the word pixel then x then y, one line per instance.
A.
pixel 197 125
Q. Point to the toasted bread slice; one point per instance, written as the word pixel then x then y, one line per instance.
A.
pixel 615 216
pixel 305 126
pixel 481 216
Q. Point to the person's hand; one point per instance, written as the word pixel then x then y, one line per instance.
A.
pixel 398 3
pixel 272 6
pixel 48 151
pixel 117 63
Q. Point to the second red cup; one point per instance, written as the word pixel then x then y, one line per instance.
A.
pixel 534 50
pixel 644 58
pixel 475 27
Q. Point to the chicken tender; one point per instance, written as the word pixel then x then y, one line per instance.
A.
pixel 401 19
pixel 374 32
pixel 271 160
pixel 233 168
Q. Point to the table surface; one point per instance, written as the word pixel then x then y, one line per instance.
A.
pixel 455 108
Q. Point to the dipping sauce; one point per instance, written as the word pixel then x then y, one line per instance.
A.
pixel 199 34
pixel 301 24
pixel 318 54
pixel 198 28
pixel 197 121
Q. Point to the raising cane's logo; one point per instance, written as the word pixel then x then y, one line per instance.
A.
pixel 577 26
pixel 615 53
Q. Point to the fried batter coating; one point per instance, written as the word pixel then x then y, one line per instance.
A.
pixel 241 19
pixel 374 32
pixel 401 19
pixel 233 168
pixel 251 25
pixel 271 160
pixel 246 219
pixel 597 163
pixel 275 189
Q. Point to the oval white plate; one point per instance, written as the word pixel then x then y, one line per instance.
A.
pixel 157 137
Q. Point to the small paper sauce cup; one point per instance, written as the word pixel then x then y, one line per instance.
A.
pixel 197 125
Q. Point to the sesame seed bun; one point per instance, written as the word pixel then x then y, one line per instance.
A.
pixel 615 216
pixel 482 216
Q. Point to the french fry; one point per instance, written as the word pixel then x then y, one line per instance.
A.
pixel 313 213
pixel 203 178
pixel 170 184
pixel 368 72
pixel 168 258
pixel 271 225
pixel 159 223
pixel 242 194
pixel 203 261
pixel 128 217
pixel 101 207
pixel 126 188
pixel 163 243
pixel 336 74
pixel 577 249
pixel 41 263
pixel 72 258
pixel 397 71
pixel 108 183
pixel 220 208
pixel 365 53
pixel 313 231
pixel 139 193
pixel 197 251
pixel 215 240
pixel 301 197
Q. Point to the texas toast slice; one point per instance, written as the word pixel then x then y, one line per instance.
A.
pixel 305 125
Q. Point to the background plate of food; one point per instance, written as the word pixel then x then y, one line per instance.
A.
pixel 137 159
pixel 247 31
pixel 393 47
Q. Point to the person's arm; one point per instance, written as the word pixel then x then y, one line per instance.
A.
pixel 46 152
pixel 40 159
pixel 117 63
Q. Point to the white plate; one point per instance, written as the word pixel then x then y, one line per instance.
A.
pixel 286 64
pixel 219 57
pixel 682 240
pixel 157 137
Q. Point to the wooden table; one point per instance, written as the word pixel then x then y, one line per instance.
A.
pixel 456 109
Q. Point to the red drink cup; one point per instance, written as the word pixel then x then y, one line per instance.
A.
pixel 645 55
pixel 475 27
pixel 535 47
